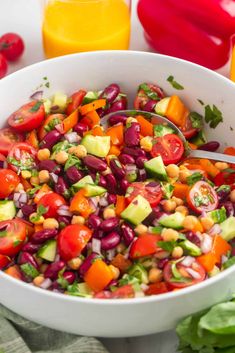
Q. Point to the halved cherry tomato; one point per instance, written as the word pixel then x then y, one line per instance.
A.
pixel 157 288
pixel 50 122
pixel 8 137
pixel 12 237
pixel 202 197
pixel 143 97
pixel 126 291
pixel 2 157
pixel 151 191
pixel 8 182
pixel 28 117
pixel 145 245
pixel 188 130
pixel 185 278
pixel 169 147
pixel 224 178
pixel 4 261
pixel 52 202
pixel 72 240
pixel 76 101
pixel 22 156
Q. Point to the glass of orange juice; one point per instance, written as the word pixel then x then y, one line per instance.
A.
pixel 71 26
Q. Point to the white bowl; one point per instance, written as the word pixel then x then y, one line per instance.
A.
pixel 121 317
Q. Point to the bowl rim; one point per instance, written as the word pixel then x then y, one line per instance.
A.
pixel 130 301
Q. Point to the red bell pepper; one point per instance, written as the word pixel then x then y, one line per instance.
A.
pixel 195 30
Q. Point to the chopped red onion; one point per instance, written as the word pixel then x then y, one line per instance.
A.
pixel 127 251
pixel 155 222
pixel 54 177
pixel 96 245
pixel 94 201
pixel 203 214
pixel 206 244
pixel 224 259
pixel 60 128
pixel 103 201
pixel 144 287
pixel 23 197
pixel 54 107
pixel 199 235
pixel 20 214
pixel 36 95
pixel 72 137
pixel 110 254
pixel 57 258
pixel 193 273
pixel 187 261
pixel 17 153
pixel 5 164
pixel 216 229
pixel 130 167
pixel 46 283
pixel 64 211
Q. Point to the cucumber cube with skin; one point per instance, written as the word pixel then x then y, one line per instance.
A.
pixel 137 210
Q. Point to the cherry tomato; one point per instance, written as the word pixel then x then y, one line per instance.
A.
pixel 2 159
pixel 52 203
pixel 169 147
pixel 4 261
pixel 28 117
pixel 76 101
pixel 156 288
pixel 22 156
pixel 50 122
pixel 188 130
pixel 143 97
pixel 8 182
pixel 12 46
pixel 145 245
pixel 202 197
pixel 184 278
pixel 150 191
pixel 72 240
pixel 224 178
pixel 8 137
pixel 12 236
pixel 3 66
pixel 126 291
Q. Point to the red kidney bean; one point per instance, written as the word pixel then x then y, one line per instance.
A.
pixel 211 146
pixel 149 106
pixel 28 209
pixel 69 276
pixel 223 195
pixel 124 184
pixel 126 159
pixel 140 161
pixel 132 135
pixel 128 234
pixel 228 205
pixel 26 257
pixel 158 211
pixel 142 175
pixel 110 92
pixel 102 181
pixel 134 151
pixel 61 187
pixel 74 175
pixel 64 219
pixel 109 224
pixel 116 119
pixel 51 139
pixel 87 263
pixel 53 269
pixel 94 221
pixel 95 163
pixel 31 248
pixel 111 183
pixel 80 128
pixel 49 165
pixel 162 263
pixel 43 235
pixel 98 234
pixel 117 168
pixel 120 104
pixel 110 241
pixel 111 198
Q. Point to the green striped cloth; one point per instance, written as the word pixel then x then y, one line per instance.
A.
pixel 18 335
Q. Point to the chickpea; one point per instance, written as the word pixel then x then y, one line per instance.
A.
pixel 34 180
pixel 154 275
pixel 207 222
pixel 182 209
pixel 61 157
pixel 44 176
pixel 50 223
pixel 26 174
pixel 190 222
pixel 169 205
pixel 232 195
pixel 177 252
pixel 43 154
pixel 179 202
pixel 183 175
pixel 120 248
pixel 141 229
pixel 78 220
pixel 79 151
pixel 35 219
pixel 146 143
pixel 115 271
pixel 172 170
pixel 75 263
pixel 221 165
pixel 169 234
pixel 37 281
pixel 109 213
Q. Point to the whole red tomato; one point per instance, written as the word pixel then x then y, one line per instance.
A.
pixel 3 66
pixel 12 46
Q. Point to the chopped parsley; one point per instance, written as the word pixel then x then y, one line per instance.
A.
pixel 72 161
pixel 47 84
pixel 174 83
pixel 196 120
pixel 31 192
pixel 201 102
pixel 41 210
pixel 149 93
pixel 36 107
pixel 167 245
pixel 16 243
pixel 229 170
pixel 192 179
pixel 51 125
pixel 167 190
pixel 3 233
pixel 45 78
pixel 231 128
pixel 213 116
pixel 230 262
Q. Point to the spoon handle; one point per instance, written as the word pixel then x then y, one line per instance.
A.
pixel 212 155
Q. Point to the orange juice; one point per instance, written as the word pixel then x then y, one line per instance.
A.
pixel 71 26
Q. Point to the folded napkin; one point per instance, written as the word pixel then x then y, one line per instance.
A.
pixel 19 335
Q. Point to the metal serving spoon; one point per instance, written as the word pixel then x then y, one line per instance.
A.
pixel 157 120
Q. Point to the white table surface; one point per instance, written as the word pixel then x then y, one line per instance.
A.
pixel 23 17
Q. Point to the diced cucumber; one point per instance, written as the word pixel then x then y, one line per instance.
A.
pixel 90 97
pixel 155 167
pixel 7 210
pixel 60 102
pixel 47 105
pixel 94 190
pixel 228 228
pixel 219 215
pixel 138 271
pixel 137 210
pixel 190 248
pixel 48 250
pixel 84 289
pixel 96 145
pixel 81 183
pixel 162 105
pixel 162 130
pixel 199 139
pixel 174 220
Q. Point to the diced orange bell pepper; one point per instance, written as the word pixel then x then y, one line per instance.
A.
pixel 95 131
pixel 181 190
pixel 116 134
pixel 146 128
pixel 69 122
pixel 114 150
pixel 120 205
pixel 99 103
pixel 45 189
pixel 14 272
pixel 176 111
pixel 209 167
pixel 38 227
pixel 208 261
pixel 80 204
pixel 98 276
pixel 32 139
pixel 91 119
